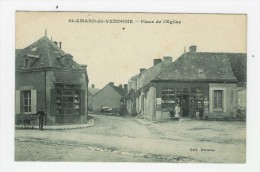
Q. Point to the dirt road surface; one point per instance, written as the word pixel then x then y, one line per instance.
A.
pixel 117 139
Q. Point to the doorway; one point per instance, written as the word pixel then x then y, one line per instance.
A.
pixel 183 101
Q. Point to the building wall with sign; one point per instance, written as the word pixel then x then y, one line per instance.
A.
pixel 191 97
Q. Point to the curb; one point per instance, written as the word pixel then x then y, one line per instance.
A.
pixel 62 127
pixel 144 122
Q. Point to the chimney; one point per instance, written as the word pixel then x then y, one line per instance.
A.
pixel 60 44
pixel 125 87
pixel 120 86
pixel 156 61
pixel 193 49
pixel 111 83
pixel 93 86
pixel 142 69
pixel 167 59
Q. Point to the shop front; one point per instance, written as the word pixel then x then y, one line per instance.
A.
pixel 189 96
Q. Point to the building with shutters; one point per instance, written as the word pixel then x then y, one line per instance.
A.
pixel 198 82
pixel 48 77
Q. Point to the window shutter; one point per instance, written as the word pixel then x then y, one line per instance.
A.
pixel 21 102
pixel 17 102
pixel 82 102
pixel 34 101
pixel 53 102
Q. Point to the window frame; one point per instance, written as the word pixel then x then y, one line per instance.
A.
pixel 26 63
pixel 218 100
pixel 27 99
pixel 211 100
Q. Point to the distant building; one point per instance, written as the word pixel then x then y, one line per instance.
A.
pixel 109 96
pixel 91 92
pixel 190 81
pixel 48 77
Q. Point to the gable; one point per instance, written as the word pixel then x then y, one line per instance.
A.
pixel 107 92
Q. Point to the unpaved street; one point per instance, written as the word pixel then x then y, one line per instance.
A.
pixel 116 139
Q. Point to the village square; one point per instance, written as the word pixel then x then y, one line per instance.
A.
pixel 130 91
pixel 187 110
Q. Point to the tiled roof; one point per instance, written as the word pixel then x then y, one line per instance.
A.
pixel 238 63
pixel 45 54
pixel 120 90
pixel 202 66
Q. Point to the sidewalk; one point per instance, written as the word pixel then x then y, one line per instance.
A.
pixel 144 121
pixel 61 127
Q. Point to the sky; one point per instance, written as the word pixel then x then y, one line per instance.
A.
pixel 114 52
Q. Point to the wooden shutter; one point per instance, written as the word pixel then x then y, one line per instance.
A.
pixel 53 102
pixel 17 102
pixel 21 101
pixel 33 101
pixel 82 102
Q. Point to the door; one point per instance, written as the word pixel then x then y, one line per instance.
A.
pixel 185 106
pixel 183 101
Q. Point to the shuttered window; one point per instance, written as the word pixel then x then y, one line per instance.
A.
pixel 27 101
pixel 218 99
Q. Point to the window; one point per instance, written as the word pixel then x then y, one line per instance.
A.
pixel 168 98
pixel 168 95
pixel 27 107
pixel 200 71
pixel 218 99
pixel 26 63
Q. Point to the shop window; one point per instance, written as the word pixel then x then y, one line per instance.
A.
pixel 218 99
pixel 27 107
pixel 179 90
pixel 168 98
pixel 168 95
pixel 68 102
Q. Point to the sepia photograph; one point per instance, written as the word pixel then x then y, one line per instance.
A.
pixel 130 87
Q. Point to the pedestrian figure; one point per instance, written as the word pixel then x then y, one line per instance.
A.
pixel 177 111
pixel 42 115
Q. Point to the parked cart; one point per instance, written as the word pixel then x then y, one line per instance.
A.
pixel 26 121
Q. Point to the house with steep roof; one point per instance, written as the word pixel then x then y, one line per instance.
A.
pixel 47 77
pixel 198 81
pixel 109 96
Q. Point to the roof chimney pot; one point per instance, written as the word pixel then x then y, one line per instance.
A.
pixel 193 49
pixel 156 61
pixel 60 44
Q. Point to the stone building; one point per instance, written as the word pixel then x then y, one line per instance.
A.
pixel 48 77
pixel 194 80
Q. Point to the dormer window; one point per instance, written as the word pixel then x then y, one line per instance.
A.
pixel 200 71
pixel 26 63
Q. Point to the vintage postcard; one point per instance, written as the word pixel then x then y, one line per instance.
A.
pixel 130 87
